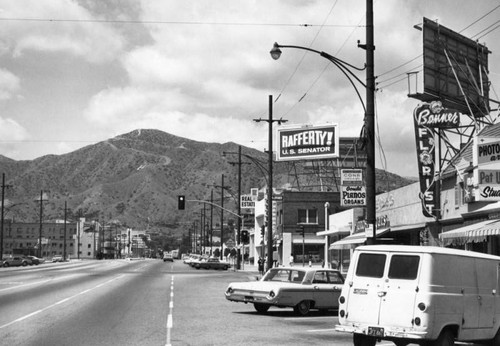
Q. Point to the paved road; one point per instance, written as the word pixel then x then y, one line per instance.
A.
pixel 145 302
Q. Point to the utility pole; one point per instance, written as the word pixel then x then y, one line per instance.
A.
pixel 65 219
pixel 2 214
pixel 222 219
pixel 41 223
pixel 238 237
pixel 370 122
pixel 211 221
pixel 270 183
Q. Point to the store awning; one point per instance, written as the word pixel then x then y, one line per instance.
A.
pixel 412 227
pixel 471 233
pixel 354 239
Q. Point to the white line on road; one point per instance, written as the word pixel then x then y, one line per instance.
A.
pixel 170 320
pixel 35 283
pixel 58 302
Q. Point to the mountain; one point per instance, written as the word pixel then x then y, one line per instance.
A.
pixel 135 178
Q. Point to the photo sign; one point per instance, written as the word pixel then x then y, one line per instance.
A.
pixel 353 188
pixel 307 142
pixel 487 158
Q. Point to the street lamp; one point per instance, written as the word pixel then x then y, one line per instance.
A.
pixel 368 130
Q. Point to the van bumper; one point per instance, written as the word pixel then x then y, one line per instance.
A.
pixel 389 333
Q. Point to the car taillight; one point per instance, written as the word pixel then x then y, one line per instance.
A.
pixel 272 294
pixel 421 306
pixel 229 290
pixel 341 313
pixel 342 300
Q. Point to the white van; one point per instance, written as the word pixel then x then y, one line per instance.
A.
pixel 420 294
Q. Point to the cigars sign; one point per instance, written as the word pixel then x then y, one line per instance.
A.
pixel 427 117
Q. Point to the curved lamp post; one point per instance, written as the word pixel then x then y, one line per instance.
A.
pixel 368 130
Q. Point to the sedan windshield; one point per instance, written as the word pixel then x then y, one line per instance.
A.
pixel 284 275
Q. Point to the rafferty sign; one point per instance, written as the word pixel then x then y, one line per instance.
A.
pixel 304 142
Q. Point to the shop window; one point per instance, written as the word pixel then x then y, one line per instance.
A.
pixel 308 216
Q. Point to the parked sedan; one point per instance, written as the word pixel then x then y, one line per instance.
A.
pixel 302 289
pixel 212 263
pixel 16 261
pixel 57 258
pixel 35 260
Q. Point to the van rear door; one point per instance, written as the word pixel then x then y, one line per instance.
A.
pixel 367 281
pixel 398 296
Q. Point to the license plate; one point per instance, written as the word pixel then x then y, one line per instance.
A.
pixel 248 298
pixel 376 331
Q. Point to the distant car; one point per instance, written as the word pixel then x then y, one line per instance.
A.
pixel 302 289
pixel 196 259
pixel 16 261
pixel 35 260
pixel 167 256
pixel 57 258
pixel 212 263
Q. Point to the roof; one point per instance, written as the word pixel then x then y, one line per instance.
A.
pixel 426 249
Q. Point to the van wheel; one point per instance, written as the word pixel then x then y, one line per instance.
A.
pixel 446 338
pixel 363 340
pixel 261 308
pixel 302 308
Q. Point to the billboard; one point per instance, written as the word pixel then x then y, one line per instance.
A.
pixel 455 70
pixel 307 142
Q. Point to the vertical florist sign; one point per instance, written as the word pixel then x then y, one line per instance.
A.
pixel 304 142
pixel 427 117
pixel 353 189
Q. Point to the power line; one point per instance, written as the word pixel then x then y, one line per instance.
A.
pixel 303 57
pixel 130 21
pixel 480 18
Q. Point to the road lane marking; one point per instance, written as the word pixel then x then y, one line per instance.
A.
pixel 58 302
pixel 170 320
pixel 35 283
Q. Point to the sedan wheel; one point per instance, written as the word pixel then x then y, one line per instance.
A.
pixel 302 308
pixel 261 308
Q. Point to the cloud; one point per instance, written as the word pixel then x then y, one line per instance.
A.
pixel 9 84
pixel 11 134
pixel 95 42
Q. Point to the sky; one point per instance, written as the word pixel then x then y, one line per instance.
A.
pixel 74 73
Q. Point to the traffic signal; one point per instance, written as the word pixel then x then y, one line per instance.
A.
pixel 181 202
pixel 244 237
pixel 262 231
